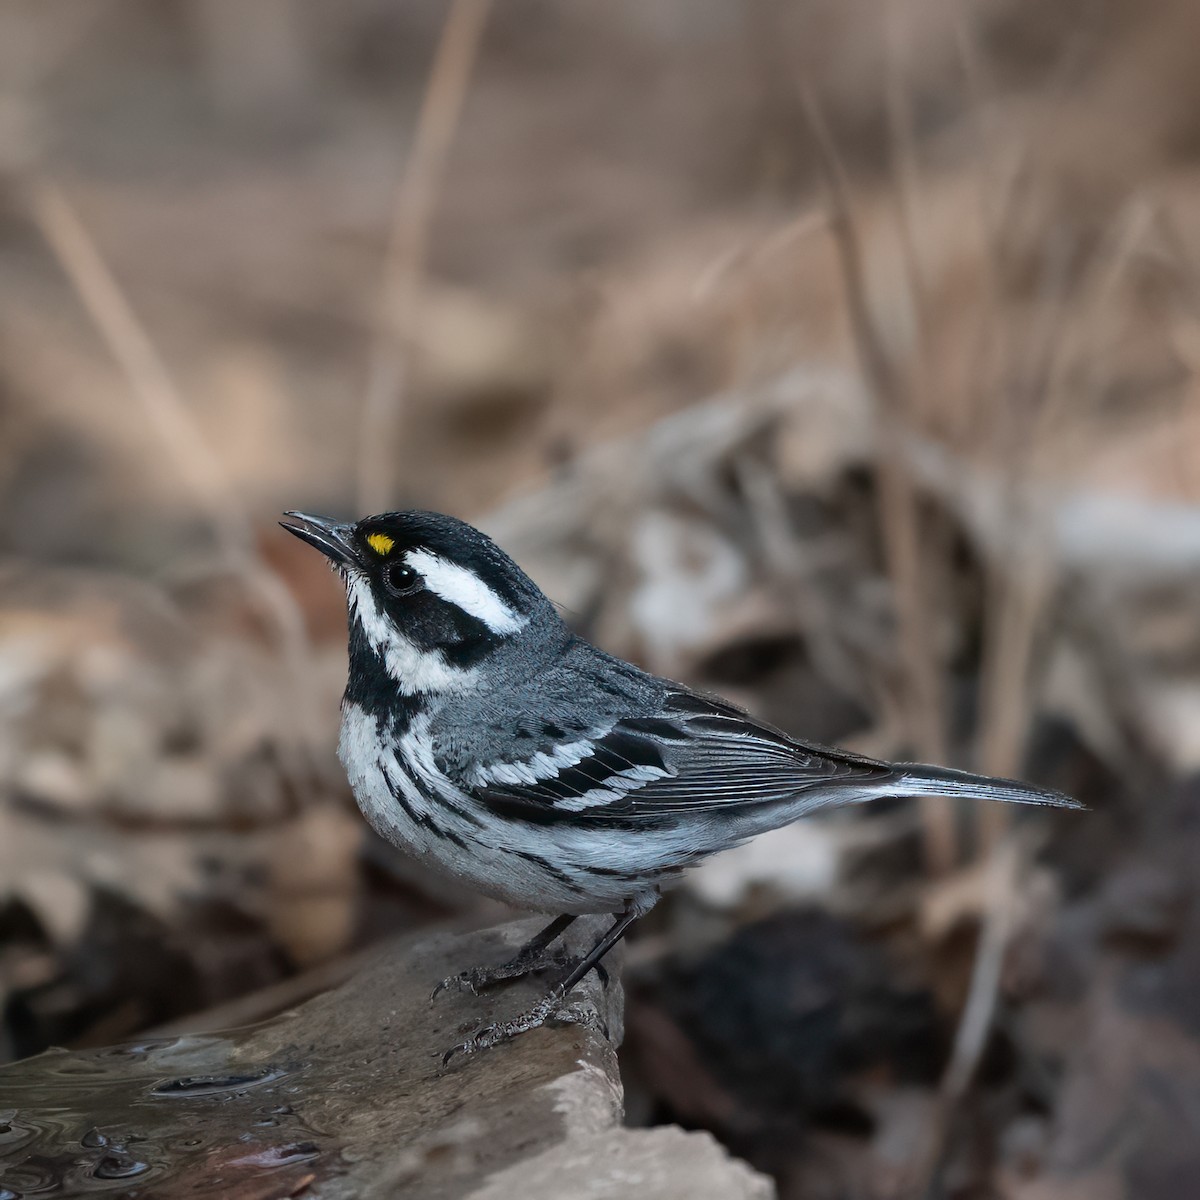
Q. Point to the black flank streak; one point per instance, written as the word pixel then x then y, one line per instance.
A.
pixel 398 795
pixel 457 809
pixel 451 836
pixel 422 819
pixel 613 873
pixel 550 869
pixel 440 801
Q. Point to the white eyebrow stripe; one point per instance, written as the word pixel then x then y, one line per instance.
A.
pixel 464 589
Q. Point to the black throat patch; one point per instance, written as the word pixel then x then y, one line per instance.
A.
pixel 371 688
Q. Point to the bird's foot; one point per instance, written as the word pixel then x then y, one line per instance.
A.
pixel 549 1008
pixel 478 978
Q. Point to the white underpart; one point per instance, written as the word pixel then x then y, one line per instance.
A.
pixel 412 669
pixel 463 588
pixel 370 763
pixel 502 857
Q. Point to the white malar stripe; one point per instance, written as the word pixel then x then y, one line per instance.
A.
pixel 412 669
pixel 461 587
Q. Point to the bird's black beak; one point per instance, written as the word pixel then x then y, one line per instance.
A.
pixel 334 540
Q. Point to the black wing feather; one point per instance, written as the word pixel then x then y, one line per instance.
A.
pixel 712 757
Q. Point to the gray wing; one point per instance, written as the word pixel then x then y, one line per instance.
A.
pixel 694 755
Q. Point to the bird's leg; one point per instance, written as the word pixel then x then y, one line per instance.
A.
pixel 531 957
pixel 551 1005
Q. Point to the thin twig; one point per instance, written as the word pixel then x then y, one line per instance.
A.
pixel 906 176
pixel 408 246
pixel 899 514
pixel 145 370
pixel 1019 590
pixel 1084 346
pixel 977 1013
pixel 1005 871
pixel 749 252
pixel 778 545
pixel 1021 579
pixel 1002 177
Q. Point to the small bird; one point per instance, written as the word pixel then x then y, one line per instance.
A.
pixel 480 734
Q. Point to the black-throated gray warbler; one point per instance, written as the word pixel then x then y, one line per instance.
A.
pixel 480 733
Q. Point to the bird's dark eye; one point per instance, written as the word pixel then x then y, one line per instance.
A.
pixel 400 579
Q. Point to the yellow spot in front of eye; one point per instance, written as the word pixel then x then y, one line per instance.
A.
pixel 380 543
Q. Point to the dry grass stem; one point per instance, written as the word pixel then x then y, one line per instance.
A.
pixel 1005 871
pixel 1084 344
pixel 404 269
pixel 131 346
pixel 898 504
pixel 906 174
pixel 1018 593
pixel 976 1018
pixel 1022 584
pixel 748 252
pixel 825 638
pixel 170 417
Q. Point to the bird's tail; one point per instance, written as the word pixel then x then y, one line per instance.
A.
pixel 917 779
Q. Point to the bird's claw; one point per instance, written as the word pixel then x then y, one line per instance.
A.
pixel 464 981
pixel 547 1009
pixel 477 979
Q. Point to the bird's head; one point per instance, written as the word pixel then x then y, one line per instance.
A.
pixel 429 596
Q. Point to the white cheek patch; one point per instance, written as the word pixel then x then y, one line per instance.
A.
pixel 464 589
pixel 412 669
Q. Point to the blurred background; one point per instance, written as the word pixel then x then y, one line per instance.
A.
pixel 838 356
